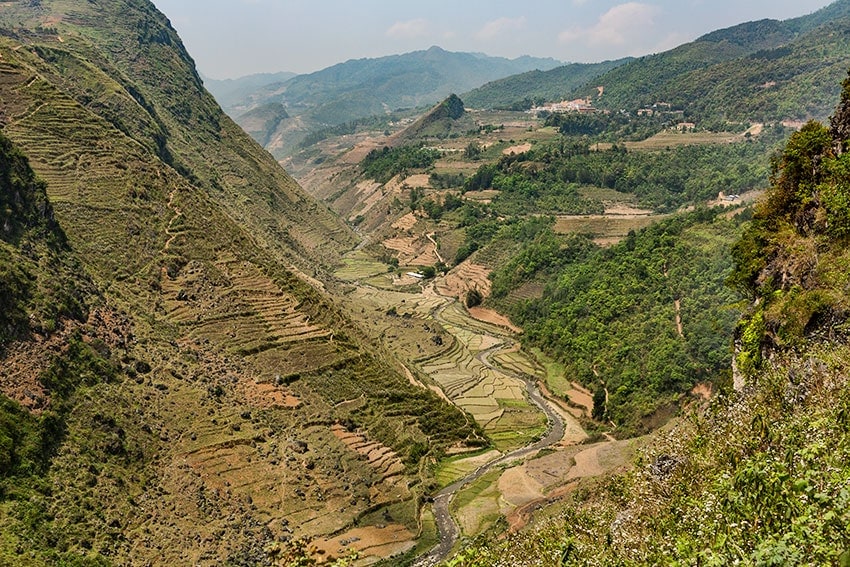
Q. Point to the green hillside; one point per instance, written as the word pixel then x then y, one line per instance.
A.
pixel 759 71
pixel 175 384
pixel 521 92
pixel 759 475
pixel 447 119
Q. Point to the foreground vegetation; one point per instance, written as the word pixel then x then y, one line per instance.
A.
pixel 759 476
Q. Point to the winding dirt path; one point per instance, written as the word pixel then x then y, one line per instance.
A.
pixel 430 236
pixel 177 214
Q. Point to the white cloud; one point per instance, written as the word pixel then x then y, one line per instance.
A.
pixel 409 29
pixel 628 24
pixel 496 28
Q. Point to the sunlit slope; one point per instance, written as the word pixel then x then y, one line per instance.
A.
pixel 243 398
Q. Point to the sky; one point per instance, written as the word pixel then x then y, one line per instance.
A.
pixel 234 38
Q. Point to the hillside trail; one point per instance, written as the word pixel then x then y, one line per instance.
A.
pixel 677 306
pixel 168 229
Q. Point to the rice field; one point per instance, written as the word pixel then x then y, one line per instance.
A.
pixel 477 507
pixel 359 265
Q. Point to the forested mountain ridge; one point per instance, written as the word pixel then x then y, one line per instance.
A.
pixel 521 92
pixel 758 71
pixel 172 376
pixel 364 87
pixel 361 88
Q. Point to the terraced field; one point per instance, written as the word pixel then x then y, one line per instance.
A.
pixel 238 370
pixel 467 276
pixel 445 345
pixel 606 229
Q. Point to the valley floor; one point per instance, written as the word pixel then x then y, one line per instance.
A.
pixel 473 359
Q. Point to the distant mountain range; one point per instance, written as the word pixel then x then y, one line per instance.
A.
pixel 766 70
pixel 365 87
pixel 361 88
pixel 231 92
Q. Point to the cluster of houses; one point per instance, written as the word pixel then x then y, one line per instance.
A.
pixel 585 106
pixel 580 105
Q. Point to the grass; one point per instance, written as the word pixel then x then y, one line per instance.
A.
pixel 607 227
pixel 359 265
pixel 476 507
pixel 453 468
pixel 672 139
pixel 556 378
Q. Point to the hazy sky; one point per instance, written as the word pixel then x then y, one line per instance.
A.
pixel 232 38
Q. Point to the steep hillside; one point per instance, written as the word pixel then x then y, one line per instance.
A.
pixel 447 118
pixel 262 122
pixel 213 403
pixel 521 92
pixel 758 71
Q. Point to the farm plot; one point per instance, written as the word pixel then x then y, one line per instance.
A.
pixel 606 229
pixel 358 265
pixel 467 276
pixel 250 314
pixel 368 541
pixel 380 457
pixel 496 400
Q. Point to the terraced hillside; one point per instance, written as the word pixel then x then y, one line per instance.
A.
pixel 210 432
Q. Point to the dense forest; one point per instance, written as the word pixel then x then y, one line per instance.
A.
pixel 639 323
pixel 546 178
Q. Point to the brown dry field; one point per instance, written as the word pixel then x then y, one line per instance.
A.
pixel 464 277
pixel 608 229
pixel 493 317
pixel 520 149
pixel 372 541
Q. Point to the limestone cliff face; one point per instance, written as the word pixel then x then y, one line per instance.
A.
pixel 792 260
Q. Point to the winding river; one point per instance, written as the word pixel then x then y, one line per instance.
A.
pixel 447 527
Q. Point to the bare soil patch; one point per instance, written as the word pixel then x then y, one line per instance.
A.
pixel 490 316
pixel 465 277
pixel 358 152
pixel 518 488
pixel 520 149
pixel 266 395
pixel 418 180
pixel 703 390
pixel 412 250
pixel 406 222
pixel 369 541
pixel 581 396
pixel 624 209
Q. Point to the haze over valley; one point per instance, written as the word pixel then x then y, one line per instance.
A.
pixel 446 299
